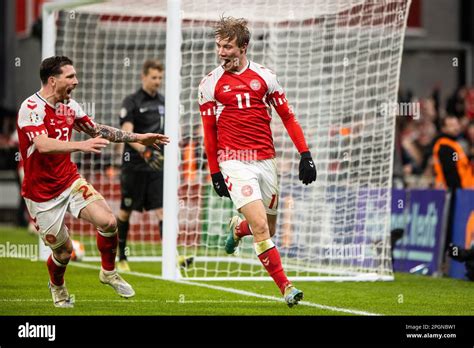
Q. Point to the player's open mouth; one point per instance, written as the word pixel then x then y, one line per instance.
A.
pixel 225 63
pixel 69 91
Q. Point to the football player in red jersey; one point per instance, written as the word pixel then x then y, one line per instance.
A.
pixel 234 102
pixel 52 184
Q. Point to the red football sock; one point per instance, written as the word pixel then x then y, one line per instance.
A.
pixel 270 259
pixel 56 270
pixel 107 244
pixel 243 229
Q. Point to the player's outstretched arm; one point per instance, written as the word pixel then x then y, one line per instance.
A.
pixel 116 135
pixel 47 145
pixel 151 155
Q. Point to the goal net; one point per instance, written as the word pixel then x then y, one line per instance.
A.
pixel 339 62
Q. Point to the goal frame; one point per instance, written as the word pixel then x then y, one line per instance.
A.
pixel 170 270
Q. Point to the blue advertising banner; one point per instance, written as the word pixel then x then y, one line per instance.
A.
pixel 420 214
pixel 399 209
pixel 463 229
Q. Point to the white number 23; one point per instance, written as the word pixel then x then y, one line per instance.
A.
pixel 62 134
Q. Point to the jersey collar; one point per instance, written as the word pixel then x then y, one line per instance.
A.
pixel 44 100
pixel 242 71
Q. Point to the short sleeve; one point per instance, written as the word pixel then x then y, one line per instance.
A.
pixel 205 91
pixel 30 120
pixel 127 112
pixel 30 117
pixel 274 85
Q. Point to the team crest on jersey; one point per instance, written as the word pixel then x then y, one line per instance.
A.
pixel 127 202
pixel 69 120
pixel 255 85
pixel 226 88
pixel 34 117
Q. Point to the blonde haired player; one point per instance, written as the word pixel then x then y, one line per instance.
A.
pixel 52 184
pixel 234 102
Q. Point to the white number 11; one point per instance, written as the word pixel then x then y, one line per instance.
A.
pixel 247 100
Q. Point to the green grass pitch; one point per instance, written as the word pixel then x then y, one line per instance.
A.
pixel 23 291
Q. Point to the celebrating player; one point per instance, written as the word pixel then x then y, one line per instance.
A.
pixel 52 184
pixel 235 102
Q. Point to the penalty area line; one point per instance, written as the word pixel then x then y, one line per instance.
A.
pixel 239 292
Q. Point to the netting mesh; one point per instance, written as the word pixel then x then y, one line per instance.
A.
pixel 339 63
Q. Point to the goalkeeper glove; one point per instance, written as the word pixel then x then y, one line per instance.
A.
pixel 153 158
pixel 307 168
pixel 219 184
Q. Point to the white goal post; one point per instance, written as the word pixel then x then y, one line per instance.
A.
pixel 339 62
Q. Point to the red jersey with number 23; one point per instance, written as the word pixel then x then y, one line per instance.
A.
pixel 48 175
pixel 235 109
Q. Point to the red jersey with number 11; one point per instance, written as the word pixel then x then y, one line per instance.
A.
pixel 236 106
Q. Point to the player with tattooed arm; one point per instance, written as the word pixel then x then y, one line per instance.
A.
pixel 52 185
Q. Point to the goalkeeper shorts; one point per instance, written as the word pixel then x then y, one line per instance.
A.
pixel 141 190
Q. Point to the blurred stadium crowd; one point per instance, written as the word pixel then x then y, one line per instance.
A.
pixel 415 136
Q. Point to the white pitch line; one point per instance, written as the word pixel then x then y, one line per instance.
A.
pixel 240 292
pixel 279 299
pixel 82 300
pixel 216 301
pixel 134 301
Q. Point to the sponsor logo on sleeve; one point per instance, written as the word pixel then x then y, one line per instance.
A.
pixel 34 117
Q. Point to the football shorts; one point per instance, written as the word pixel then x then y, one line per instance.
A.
pixel 248 181
pixel 49 216
pixel 141 190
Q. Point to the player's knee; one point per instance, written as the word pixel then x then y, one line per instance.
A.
pixel 63 256
pixel 64 252
pixel 109 224
pixel 260 227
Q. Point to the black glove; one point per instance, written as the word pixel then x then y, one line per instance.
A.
pixel 153 158
pixel 219 184
pixel 307 168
